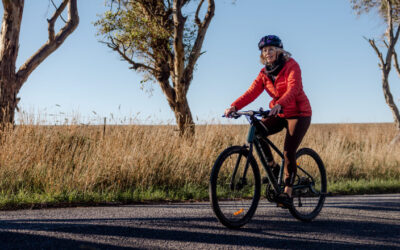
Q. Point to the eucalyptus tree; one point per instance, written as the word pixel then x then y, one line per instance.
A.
pixel 389 10
pixel 162 39
pixel 11 79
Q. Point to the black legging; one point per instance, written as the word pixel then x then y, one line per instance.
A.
pixel 296 128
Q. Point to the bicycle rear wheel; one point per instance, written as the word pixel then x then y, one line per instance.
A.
pixel 234 191
pixel 309 189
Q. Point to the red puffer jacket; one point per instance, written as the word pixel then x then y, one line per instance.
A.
pixel 286 91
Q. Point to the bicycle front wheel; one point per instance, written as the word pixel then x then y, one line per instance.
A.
pixel 234 189
pixel 309 189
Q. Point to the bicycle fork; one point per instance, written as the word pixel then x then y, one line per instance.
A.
pixel 242 181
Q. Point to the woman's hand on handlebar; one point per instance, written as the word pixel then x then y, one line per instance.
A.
pixel 230 110
pixel 275 110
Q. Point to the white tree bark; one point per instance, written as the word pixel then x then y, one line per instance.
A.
pixel 11 80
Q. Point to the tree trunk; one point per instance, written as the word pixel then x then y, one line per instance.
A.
pixel 171 59
pixel 8 101
pixel 180 106
pixel 184 118
pixel 392 105
pixel 178 103
pixel 11 80
pixel 9 45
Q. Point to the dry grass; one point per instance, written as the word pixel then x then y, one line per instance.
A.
pixel 356 151
pixel 78 158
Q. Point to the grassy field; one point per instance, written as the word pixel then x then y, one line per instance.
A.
pixel 80 164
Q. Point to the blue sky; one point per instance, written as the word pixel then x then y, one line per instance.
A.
pixel 85 79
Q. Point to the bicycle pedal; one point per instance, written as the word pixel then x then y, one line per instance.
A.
pixel 265 180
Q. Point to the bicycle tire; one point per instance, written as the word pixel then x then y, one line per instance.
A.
pixel 308 202
pixel 234 211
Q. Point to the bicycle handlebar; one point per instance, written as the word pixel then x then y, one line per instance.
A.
pixel 249 113
pixel 260 112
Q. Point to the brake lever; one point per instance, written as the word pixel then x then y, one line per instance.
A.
pixel 266 113
pixel 236 116
pixel 232 116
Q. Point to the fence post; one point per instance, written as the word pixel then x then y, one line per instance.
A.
pixel 104 127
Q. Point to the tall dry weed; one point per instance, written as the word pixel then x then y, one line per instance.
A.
pixel 80 158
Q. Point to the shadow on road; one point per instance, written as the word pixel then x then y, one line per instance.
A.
pixel 370 206
pixel 16 240
pixel 221 236
pixel 271 232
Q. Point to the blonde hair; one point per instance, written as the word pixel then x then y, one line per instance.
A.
pixel 286 55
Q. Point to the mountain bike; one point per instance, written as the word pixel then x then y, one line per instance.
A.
pixel 235 182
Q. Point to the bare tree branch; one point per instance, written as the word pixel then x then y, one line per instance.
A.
pixel 386 44
pixel 179 58
pixel 116 47
pixel 209 15
pixel 55 6
pixel 197 19
pixel 380 56
pixel 51 45
pixel 53 19
pixel 169 92
pixel 396 63
pixel 169 4
pixel 390 19
pixel 396 37
pixel 392 38
pixel 196 50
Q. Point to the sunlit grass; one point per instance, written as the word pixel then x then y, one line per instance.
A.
pixel 74 162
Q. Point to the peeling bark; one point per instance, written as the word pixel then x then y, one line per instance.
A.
pixel 9 45
pixel 183 76
pixel 11 80
pixel 184 117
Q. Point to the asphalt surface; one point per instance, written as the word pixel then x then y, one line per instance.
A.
pixel 346 222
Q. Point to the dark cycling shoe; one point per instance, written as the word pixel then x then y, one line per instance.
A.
pixel 283 200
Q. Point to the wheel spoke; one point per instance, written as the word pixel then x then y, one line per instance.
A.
pixel 309 185
pixel 234 191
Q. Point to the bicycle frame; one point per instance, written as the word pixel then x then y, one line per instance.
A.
pixel 235 180
pixel 258 132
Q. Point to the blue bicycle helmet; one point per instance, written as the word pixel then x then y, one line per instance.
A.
pixel 270 40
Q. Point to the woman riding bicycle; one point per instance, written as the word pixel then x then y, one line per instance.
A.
pixel 281 78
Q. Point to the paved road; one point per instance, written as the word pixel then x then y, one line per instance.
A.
pixel 360 222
